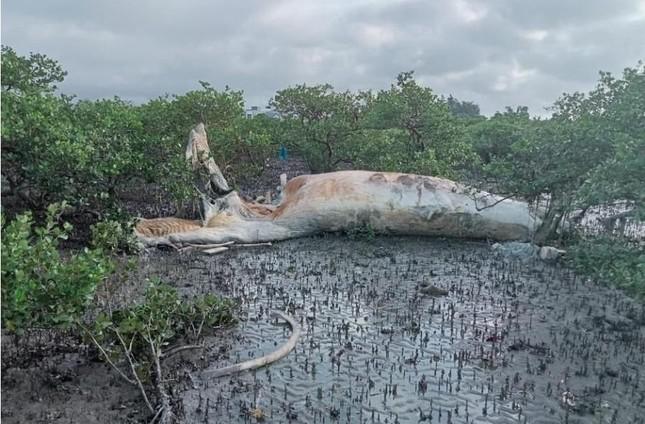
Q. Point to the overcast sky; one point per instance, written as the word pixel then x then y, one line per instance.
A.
pixel 496 52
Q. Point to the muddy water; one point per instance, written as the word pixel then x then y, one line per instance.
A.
pixel 511 342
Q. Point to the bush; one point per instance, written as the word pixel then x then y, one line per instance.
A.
pixel 136 339
pixel 39 287
pixel 162 318
pixel 114 236
pixel 612 260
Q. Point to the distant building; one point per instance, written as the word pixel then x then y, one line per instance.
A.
pixel 255 111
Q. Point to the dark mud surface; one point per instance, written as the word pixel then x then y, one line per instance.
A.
pixel 58 386
pixel 394 330
pixel 414 330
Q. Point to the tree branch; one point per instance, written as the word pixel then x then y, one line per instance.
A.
pixel 166 411
pixel 128 355
pixel 494 204
pixel 105 355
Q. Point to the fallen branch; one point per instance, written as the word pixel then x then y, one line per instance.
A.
pixel 266 359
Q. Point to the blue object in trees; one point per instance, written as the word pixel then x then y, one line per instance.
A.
pixel 283 153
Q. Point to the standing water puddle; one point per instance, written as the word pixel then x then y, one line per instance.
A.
pixel 405 330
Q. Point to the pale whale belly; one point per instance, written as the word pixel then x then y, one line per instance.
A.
pixel 401 204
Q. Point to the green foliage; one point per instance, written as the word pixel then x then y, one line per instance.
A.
pixel 169 119
pixel 34 73
pixel 615 111
pixel 83 152
pixel 434 142
pixel 380 150
pixel 240 146
pixel 406 128
pixel 113 132
pixel 55 149
pixel 612 260
pixel 462 108
pixel 492 139
pixel 362 231
pixel 41 150
pixel 590 153
pixel 318 122
pixel 39 287
pixel 114 236
pixel 162 318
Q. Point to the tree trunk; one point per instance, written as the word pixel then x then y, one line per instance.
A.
pixel 551 222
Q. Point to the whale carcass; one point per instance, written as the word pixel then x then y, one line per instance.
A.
pixel 384 202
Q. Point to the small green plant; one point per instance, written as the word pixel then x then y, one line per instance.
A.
pixel 114 236
pixel 135 340
pixel 361 232
pixel 41 289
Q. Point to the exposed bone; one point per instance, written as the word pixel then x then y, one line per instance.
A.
pixel 215 250
pixel 268 243
pixel 199 154
pixel 211 246
pixel 266 359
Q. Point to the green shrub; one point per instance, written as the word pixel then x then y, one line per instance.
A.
pixel 114 236
pixel 362 231
pixel 162 318
pixel 611 260
pixel 136 340
pixel 39 287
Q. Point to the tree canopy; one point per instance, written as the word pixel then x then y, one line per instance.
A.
pixel 589 153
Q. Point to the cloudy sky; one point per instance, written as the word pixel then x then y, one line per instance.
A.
pixel 495 52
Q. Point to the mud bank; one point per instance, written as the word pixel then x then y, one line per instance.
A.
pixel 394 329
pixel 415 330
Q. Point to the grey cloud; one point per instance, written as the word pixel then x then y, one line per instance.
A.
pixel 497 53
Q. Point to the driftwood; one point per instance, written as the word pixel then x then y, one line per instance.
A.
pixel 385 202
pixel 266 359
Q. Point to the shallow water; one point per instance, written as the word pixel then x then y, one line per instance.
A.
pixel 512 342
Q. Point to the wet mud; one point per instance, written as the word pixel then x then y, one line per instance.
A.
pixel 394 330
pixel 67 387
pixel 405 330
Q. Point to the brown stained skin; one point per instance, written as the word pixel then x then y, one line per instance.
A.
pixel 221 220
pixel 260 210
pixel 293 186
pixel 377 178
pixel 317 189
pixel 428 185
pixel 159 227
pixel 333 189
pixel 406 180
